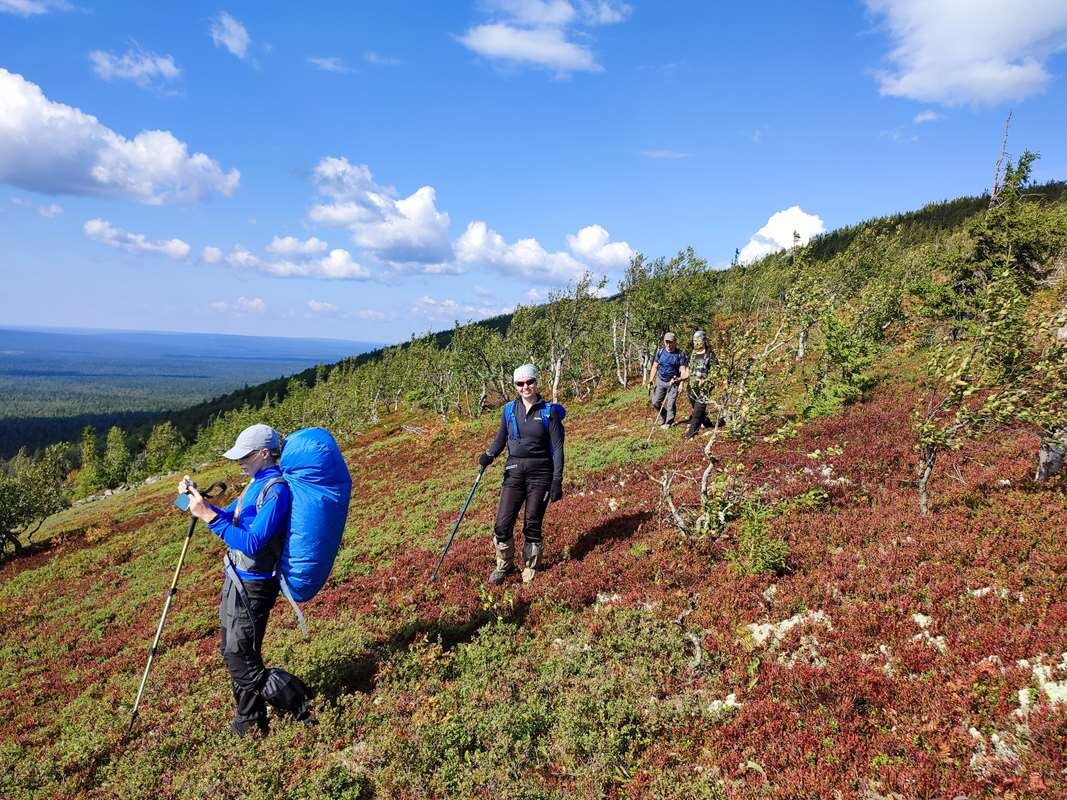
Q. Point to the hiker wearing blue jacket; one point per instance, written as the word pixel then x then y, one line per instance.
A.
pixel 532 430
pixel 254 528
pixel 669 369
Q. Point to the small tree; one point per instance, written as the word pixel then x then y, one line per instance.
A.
pixel 569 315
pixel 91 476
pixel 117 458
pixel 163 449
pixel 31 490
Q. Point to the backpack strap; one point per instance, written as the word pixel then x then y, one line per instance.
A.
pixel 266 487
pixel 510 420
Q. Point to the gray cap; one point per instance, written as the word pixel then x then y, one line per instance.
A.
pixel 525 373
pixel 699 335
pixel 252 438
pixel 669 337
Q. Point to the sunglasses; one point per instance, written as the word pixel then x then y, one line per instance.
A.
pixel 530 382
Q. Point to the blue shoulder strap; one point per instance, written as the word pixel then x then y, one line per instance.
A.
pixel 510 421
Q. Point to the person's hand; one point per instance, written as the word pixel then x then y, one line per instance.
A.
pixel 184 484
pixel 484 460
pixel 199 507
pixel 555 493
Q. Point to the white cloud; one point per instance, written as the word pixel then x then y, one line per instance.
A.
pixel 539 47
pixel 525 258
pixel 139 66
pixel 448 310
pixel 981 52
pixel 374 314
pixel 227 32
pixel 538 33
pixel 664 154
pixel 591 249
pixel 603 12
pixel 335 265
pixel 218 305
pixel 372 57
pixel 593 245
pixel 53 148
pixel 291 246
pixel 251 305
pixel 329 63
pixel 926 116
pixel 101 230
pixel 777 234
pixel 30 8
pixel 322 307
pixel 401 232
pixel 51 210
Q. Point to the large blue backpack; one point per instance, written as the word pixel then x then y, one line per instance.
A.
pixel 318 479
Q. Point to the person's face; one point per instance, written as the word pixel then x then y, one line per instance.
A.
pixel 669 344
pixel 527 388
pixel 254 461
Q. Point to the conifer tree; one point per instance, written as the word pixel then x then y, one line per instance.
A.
pixel 117 458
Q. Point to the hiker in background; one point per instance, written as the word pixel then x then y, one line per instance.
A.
pixel 699 387
pixel 532 429
pixel 669 369
pixel 254 528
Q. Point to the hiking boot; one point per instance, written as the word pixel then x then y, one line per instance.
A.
pixel 505 562
pixel 531 555
pixel 242 728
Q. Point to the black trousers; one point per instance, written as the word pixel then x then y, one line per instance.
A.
pixel 526 481
pixel 241 643
pixel 698 419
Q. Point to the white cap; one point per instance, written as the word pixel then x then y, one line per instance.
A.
pixel 525 372
pixel 252 438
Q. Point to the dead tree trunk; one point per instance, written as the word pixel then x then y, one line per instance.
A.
pixel 1050 454
pixel 926 469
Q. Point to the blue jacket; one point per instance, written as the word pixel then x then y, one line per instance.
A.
pixel 257 534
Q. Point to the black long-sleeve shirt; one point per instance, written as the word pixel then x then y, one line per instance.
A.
pixel 533 441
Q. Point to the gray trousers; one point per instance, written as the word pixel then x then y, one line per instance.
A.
pixel 664 399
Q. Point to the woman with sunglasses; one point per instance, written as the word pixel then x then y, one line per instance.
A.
pixel 532 429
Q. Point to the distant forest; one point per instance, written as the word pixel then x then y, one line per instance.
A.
pixel 53 383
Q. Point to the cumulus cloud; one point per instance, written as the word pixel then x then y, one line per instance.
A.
pixel 291 246
pixel 228 33
pixel 593 245
pixel 298 260
pixel 401 231
pixel 539 33
pixel 53 148
pixel 978 53
pixel 100 230
pixel 329 63
pixel 30 8
pixel 139 66
pixel 777 234
pixel 322 307
pixel 526 258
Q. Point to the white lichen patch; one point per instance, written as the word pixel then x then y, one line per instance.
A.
pixel 770 634
pixel 924 635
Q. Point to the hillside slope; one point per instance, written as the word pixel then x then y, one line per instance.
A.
pixel 899 656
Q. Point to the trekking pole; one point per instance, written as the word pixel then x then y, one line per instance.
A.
pixel 166 608
pixel 455 527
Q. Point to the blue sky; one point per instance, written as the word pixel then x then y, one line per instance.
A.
pixel 370 170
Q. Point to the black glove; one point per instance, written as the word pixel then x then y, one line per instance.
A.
pixel 485 460
pixel 556 492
